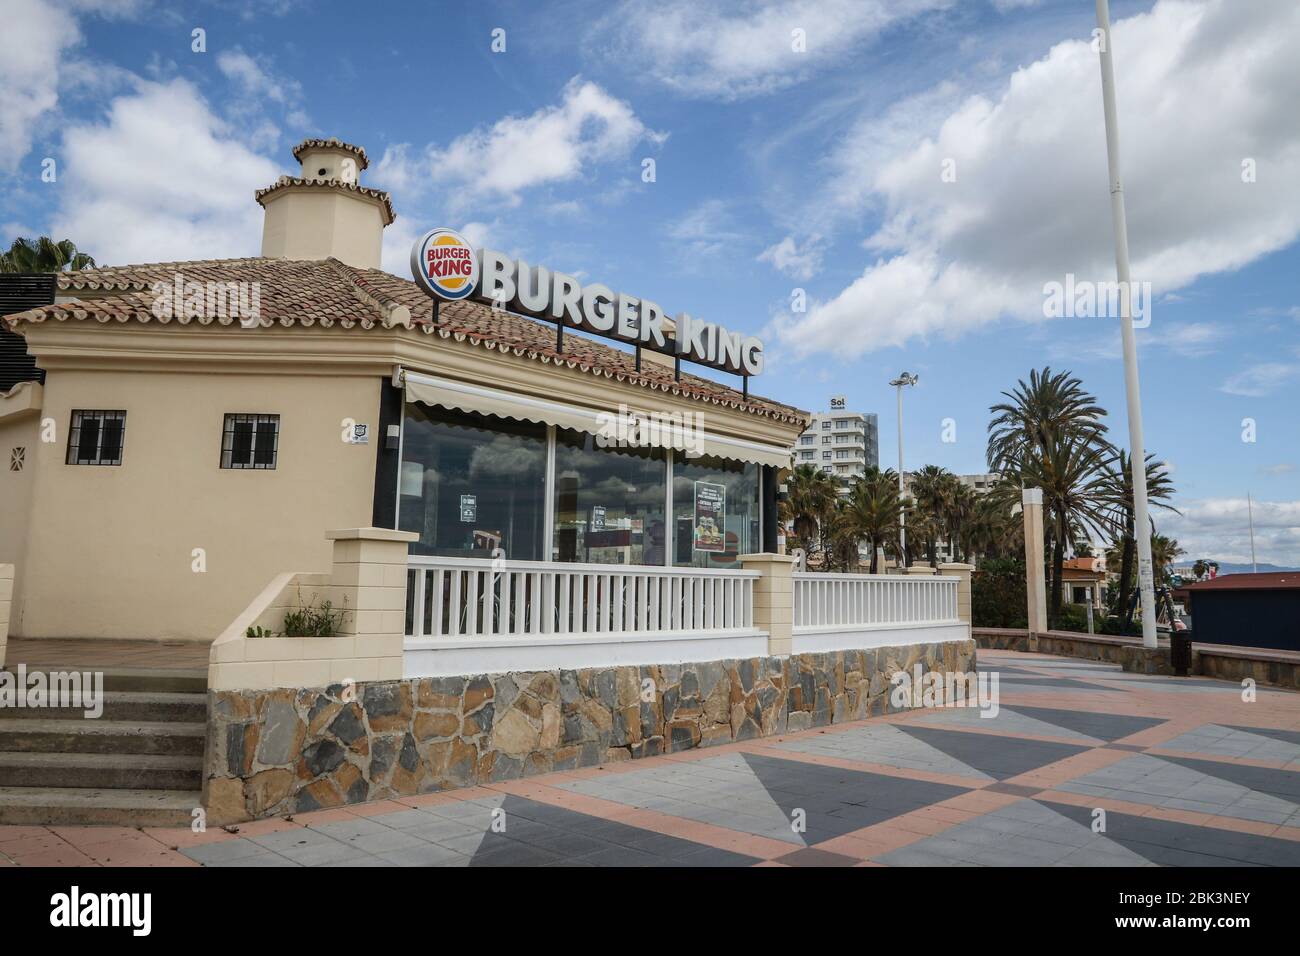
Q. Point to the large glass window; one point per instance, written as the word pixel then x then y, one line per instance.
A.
pixel 471 483
pixel 609 502
pixel 715 511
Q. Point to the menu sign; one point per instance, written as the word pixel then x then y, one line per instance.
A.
pixel 710 506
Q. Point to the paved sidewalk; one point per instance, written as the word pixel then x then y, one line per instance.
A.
pixel 1186 772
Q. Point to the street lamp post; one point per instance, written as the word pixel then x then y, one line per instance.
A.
pixel 907 378
pixel 1137 452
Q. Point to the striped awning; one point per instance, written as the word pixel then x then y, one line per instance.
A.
pixel 654 430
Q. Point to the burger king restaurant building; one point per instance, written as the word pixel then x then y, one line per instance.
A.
pixel 481 431
pixel 492 468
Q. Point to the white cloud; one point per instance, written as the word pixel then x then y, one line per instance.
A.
pixel 1260 380
pixel 1029 203
pixel 1185 339
pixel 32 42
pixel 802 261
pixel 397 171
pixel 705 231
pixel 732 51
pixel 1003 6
pixel 555 144
pixel 256 79
pixel 163 179
pixel 1220 528
pixel 35 63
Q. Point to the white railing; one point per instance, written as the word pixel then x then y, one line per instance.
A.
pixel 867 600
pixel 467 597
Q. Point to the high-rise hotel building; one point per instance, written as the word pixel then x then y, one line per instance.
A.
pixel 840 442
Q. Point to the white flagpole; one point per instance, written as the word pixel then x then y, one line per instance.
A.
pixel 1137 449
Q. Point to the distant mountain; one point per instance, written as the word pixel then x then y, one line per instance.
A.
pixel 1226 567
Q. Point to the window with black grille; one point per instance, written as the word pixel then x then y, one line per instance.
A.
pixel 250 441
pixel 96 437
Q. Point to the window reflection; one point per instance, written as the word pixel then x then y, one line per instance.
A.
pixel 471 483
pixel 609 502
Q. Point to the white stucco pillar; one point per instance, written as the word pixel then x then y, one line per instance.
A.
pixel 1035 578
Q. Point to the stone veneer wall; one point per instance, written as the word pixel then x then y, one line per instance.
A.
pixel 1275 668
pixel 1093 647
pixel 1262 665
pixel 280 751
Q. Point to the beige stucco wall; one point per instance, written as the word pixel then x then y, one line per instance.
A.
pixel 111 550
pixel 19 428
pixel 315 223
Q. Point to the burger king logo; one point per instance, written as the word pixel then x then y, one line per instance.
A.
pixel 444 264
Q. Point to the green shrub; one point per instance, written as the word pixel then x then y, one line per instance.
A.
pixel 1111 625
pixel 1073 617
pixel 312 621
pixel 998 597
pixel 259 632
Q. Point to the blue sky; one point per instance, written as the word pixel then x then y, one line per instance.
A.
pixel 776 169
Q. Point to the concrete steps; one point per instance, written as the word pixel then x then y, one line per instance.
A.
pixel 97 807
pixel 23 735
pixel 101 771
pixel 122 705
pixel 139 764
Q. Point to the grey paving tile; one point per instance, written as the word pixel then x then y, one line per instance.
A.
pixel 211 854
pixel 1181 844
pixel 386 842
pixel 259 860
pixel 428 854
pixel 996 756
pixel 405 819
pixel 298 838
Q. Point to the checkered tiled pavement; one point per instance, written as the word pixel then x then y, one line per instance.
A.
pixel 1186 771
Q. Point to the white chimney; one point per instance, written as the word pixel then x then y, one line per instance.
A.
pixel 325 211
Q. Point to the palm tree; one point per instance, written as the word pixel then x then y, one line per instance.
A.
pixel 810 498
pixel 995 530
pixel 963 504
pixel 870 511
pixel 1164 552
pixel 1200 569
pixel 44 255
pixel 1071 477
pixel 1039 414
pixel 931 492
pixel 1049 435
pixel 1119 500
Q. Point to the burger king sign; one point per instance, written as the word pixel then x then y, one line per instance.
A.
pixel 445 265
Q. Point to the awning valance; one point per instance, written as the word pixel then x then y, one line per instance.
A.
pixel 649 429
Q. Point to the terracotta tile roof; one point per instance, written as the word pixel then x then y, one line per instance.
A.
pixel 294 182
pixel 332 143
pixel 297 292
pixel 1084 564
